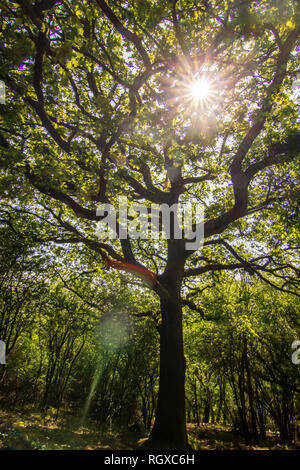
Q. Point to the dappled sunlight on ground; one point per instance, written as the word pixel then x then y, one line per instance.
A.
pixel 32 431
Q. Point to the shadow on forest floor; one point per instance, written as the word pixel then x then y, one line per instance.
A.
pixel 20 431
pixel 218 437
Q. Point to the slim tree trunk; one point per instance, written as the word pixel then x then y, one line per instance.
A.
pixel 169 430
pixel 196 402
pixel 206 412
pixel 254 436
pixel 221 399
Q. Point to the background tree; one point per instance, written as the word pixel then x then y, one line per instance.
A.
pixel 239 367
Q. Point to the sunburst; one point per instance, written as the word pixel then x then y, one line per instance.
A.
pixel 200 89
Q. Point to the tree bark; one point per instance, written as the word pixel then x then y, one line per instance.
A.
pixel 169 430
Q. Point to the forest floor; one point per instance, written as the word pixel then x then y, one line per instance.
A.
pixel 20 431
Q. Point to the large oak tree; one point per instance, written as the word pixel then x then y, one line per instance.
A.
pixel 101 102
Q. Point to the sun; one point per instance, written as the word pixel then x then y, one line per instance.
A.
pixel 194 92
pixel 200 89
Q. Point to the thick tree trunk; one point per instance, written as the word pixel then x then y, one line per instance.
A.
pixel 169 430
